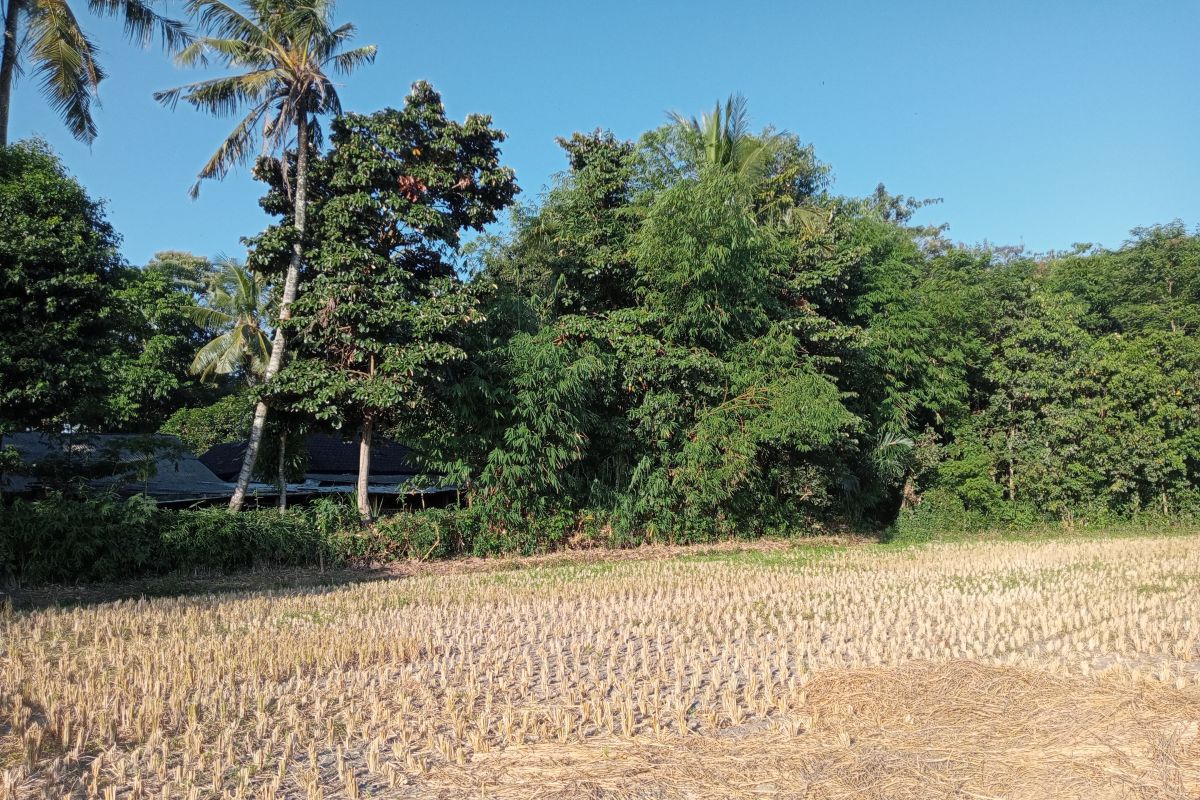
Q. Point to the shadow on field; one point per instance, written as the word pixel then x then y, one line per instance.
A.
pixel 307 579
pixel 312 579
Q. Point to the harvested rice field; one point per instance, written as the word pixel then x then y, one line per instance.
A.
pixel 1044 669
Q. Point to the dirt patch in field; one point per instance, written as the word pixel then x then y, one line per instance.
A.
pixel 957 730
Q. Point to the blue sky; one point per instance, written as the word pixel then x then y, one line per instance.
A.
pixel 1038 123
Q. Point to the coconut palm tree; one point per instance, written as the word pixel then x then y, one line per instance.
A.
pixel 235 309
pixel 723 139
pixel 282 51
pixel 47 36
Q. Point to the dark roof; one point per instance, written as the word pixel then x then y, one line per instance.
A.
pixel 328 454
pixel 176 474
pixel 225 460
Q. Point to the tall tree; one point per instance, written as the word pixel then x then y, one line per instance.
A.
pixel 59 269
pixel 582 233
pixel 383 312
pixel 46 34
pixel 236 309
pixel 283 51
pixel 186 271
pixel 148 375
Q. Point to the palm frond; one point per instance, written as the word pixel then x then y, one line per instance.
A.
pixel 309 24
pixel 247 289
pixel 890 454
pixel 222 96
pixel 64 58
pixel 328 101
pixel 343 33
pixel 226 22
pixel 721 138
pixel 235 52
pixel 256 348
pixel 236 149
pixel 142 22
pixel 347 62
pixel 209 318
pixel 214 358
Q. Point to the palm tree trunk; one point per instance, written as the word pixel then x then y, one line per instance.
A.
pixel 8 65
pixel 364 471
pixel 290 286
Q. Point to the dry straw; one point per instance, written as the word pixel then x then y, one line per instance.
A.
pixel 1054 669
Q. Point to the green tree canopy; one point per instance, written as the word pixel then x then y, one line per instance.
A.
pixel 59 280
pixel 381 318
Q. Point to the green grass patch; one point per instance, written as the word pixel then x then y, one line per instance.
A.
pixel 794 557
pixel 902 539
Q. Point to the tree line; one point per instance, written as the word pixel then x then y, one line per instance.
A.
pixel 689 335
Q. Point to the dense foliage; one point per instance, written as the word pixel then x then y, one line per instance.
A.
pixel 63 539
pixel 1087 398
pixel 59 539
pixel 59 281
pixel 687 336
pixel 762 355
pixel 380 318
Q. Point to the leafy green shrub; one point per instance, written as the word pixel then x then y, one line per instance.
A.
pixel 333 514
pixel 213 539
pixel 424 535
pixel 94 539
pixel 103 538
pixel 226 420
pixel 477 531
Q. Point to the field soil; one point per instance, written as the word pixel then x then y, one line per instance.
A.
pixel 1041 669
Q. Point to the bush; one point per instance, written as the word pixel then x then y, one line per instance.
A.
pixel 214 539
pixel 61 539
pixel 103 538
pixel 227 420
pixel 428 534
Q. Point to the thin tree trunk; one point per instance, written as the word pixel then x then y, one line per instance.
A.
pixel 908 494
pixel 1012 474
pixel 290 286
pixel 364 471
pixel 8 65
pixel 281 476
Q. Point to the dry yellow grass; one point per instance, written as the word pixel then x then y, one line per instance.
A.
pixel 1018 670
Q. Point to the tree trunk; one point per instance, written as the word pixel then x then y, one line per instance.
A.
pixel 1012 473
pixel 281 476
pixel 364 471
pixel 290 286
pixel 908 494
pixel 8 65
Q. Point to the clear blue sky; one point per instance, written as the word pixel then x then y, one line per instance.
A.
pixel 1042 123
